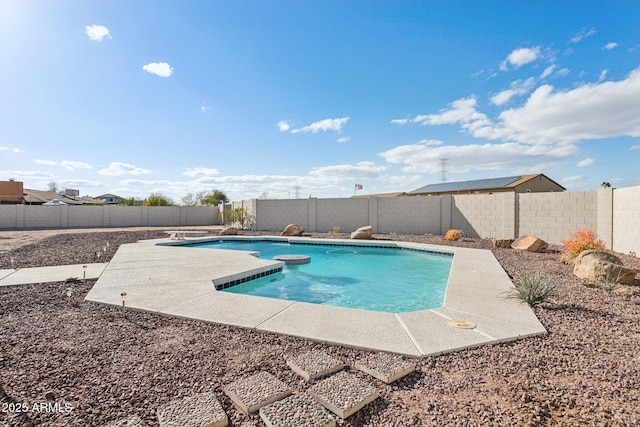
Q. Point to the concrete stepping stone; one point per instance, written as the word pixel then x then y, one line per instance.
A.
pixel 297 410
pixel 201 410
pixel 343 393
pixel 132 421
pixel 314 364
pixel 385 367
pixel 251 393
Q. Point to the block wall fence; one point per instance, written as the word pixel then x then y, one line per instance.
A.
pixel 612 213
pixel 46 217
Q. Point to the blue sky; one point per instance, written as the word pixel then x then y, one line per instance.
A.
pixel 278 98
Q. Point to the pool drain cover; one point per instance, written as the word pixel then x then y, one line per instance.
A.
pixel 293 259
pixel 462 324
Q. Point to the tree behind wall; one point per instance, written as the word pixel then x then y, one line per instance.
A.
pixel 158 199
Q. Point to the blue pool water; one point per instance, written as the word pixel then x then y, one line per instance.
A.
pixel 380 279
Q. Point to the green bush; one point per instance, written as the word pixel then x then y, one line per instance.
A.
pixel 239 217
pixel 532 288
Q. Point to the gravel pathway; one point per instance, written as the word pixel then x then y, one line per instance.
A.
pixel 80 363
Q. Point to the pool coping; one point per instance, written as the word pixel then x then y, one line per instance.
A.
pixel 160 278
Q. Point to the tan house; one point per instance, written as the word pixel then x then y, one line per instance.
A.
pixel 537 183
pixel 11 192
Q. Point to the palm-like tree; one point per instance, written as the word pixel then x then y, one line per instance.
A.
pixel 605 185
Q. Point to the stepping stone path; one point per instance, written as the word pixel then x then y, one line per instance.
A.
pixel 251 393
pixel 202 410
pixel 343 393
pixel 132 421
pixel 297 410
pixel 385 367
pixel 314 364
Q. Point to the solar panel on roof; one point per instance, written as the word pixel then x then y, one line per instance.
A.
pixel 465 186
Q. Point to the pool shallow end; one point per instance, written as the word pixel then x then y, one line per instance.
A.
pixel 179 282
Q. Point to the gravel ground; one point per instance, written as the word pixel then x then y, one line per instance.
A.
pixel 81 364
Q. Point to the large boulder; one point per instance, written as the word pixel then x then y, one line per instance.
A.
pixel 293 230
pixel 363 233
pixel 503 243
pixel 229 231
pixel 598 266
pixel 529 243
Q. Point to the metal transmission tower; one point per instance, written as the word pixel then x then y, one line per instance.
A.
pixel 296 192
pixel 443 170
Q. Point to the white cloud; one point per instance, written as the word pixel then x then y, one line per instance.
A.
pixel 72 166
pixel 635 148
pixel 400 121
pixel 358 171
pixel 431 142
pixel 518 87
pixel 204 108
pixel 583 34
pixel 119 169
pixel 563 72
pixel 45 162
pixel 200 172
pixel 603 75
pixel 13 150
pixel 547 71
pixel 611 45
pixel 422 158
pixel 585 162
pixel 325 125
pixel 97 32
pixel 590 111
pixel 519 57
pixel 283 126
pixel 344 139
pixel 161 69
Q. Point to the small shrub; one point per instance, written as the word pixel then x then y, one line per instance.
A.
pixel 453 235
pixel 608 285
pixel 578 242
pixel 532 288
pixel 335 230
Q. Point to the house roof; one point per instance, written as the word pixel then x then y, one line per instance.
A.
pixel 478 184
pixel 40 196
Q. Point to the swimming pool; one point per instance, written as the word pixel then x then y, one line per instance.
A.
pixel 388 279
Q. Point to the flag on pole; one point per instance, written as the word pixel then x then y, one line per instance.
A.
pixel 358 186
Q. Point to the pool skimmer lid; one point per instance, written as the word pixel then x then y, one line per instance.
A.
pixel 462 324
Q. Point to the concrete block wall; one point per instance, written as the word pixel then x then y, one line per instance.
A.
pixel 347 214
pixel 409 215
pixel 553 216
pixel 485 215
pixel 626 220
pixel 275 215
pixel 28 216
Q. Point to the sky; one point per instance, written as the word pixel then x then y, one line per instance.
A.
pixel 297 99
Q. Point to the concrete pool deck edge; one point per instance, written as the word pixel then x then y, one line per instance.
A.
pixel 161 278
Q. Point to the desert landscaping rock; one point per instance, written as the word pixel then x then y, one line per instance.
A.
pixel 363 233
pixel 293 230
pixel 202 410
pixel 584 372
pixel 343 393
pixel 314 364
pixel 132 421
pixel 529 243
pixel 297 410
pixel 385 367
pixel 503 243
pixel 251 393
pixel 229 231
pixel 599 266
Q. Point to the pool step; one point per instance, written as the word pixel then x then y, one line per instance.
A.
pixel 385 367
pixel 201 410
pixel 251 393
pixel 296 410
pixel 314 364
pixel 344 394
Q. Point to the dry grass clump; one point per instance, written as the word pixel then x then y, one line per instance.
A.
pixel 453 235
pixel 578 242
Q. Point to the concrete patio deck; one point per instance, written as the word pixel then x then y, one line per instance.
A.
pixel 178 281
